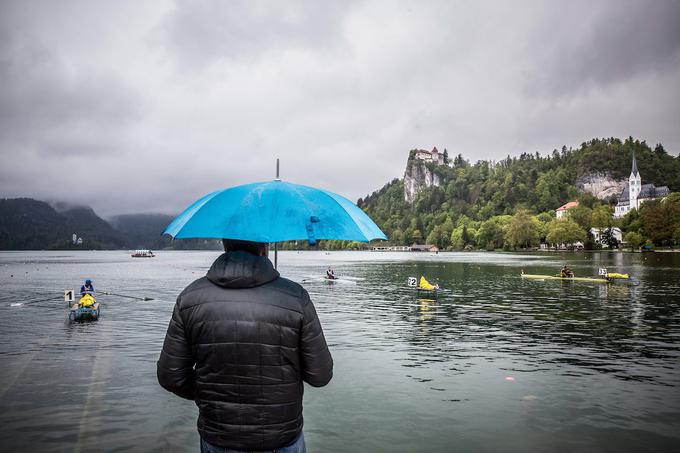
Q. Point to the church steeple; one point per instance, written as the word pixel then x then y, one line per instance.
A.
pixel 634 185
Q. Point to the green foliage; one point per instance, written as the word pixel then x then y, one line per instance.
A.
pixel 523 230
pixel 634 239
pixel 581 215
pixel 565 231
pixel 661 219
pixel 480 192
pixel 491 233
pixel 601 217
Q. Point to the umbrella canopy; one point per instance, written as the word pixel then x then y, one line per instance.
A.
pixel 274 211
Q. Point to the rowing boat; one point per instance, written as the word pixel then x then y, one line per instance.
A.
pixel 630 280
pixel 86 309
pixel 571 279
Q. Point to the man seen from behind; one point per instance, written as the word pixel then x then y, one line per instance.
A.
pixel 241 342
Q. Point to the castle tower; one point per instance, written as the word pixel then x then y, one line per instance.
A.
pixel 634 184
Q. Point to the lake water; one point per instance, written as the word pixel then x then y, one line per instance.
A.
pixel 496 364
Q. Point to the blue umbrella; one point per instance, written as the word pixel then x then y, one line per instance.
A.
pixel 272 212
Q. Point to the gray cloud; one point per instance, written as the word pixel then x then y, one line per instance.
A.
pixel 596 44
pixel 205 31
pixel 168 101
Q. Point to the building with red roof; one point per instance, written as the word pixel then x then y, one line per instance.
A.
pixel 562 210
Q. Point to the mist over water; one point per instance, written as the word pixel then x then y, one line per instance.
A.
pixel 497 363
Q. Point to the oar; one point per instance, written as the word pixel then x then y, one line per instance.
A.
pixel 125 295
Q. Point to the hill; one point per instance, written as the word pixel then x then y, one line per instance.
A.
pixel 460 196
pixel 143 231
pixel 28 224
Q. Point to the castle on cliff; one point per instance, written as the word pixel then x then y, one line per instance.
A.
pixel 430 156
pixel 635 193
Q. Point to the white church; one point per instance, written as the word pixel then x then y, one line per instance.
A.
pixel 634 194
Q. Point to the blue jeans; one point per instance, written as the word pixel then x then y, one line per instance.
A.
pixel 298 446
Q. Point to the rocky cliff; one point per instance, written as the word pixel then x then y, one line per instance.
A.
pixel 417 176
pixel 600 185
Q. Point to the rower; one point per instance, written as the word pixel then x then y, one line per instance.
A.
pixel 330 274
pixel 566 272
pixel 87 288
pixel 424 284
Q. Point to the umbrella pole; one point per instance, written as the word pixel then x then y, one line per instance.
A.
pixel 276 249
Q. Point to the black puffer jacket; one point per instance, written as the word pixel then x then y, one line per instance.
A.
pixel 240 343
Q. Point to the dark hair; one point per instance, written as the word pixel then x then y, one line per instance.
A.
pixel 254 248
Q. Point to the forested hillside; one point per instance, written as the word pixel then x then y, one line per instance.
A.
pixel 474 204
pixel 27 224
pixel 143 231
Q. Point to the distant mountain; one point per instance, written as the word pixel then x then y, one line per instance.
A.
pixel 28 224
pixel 143 231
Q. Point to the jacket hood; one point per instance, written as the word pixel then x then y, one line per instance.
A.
pixel 241 270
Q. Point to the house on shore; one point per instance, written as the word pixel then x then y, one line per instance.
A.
pixel 597 234
pixel 562 210
pixel 391 248
pixel 424 248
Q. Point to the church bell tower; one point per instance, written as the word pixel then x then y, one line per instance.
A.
pixel 634 185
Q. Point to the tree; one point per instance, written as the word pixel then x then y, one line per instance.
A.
pixel 548 192
pixel 581 215
pixel 608 238
pixel 659 149
pixel 634 239
pixel 397 237
pixel 523 230
pixel 602 217
pixel 661 220
pixel 491 233
pixel 438 237
pixel 457 240
pixel 565 231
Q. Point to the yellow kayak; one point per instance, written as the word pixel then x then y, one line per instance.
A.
pixel 425 285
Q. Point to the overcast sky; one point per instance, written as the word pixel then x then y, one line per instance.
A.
pixel 145 106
